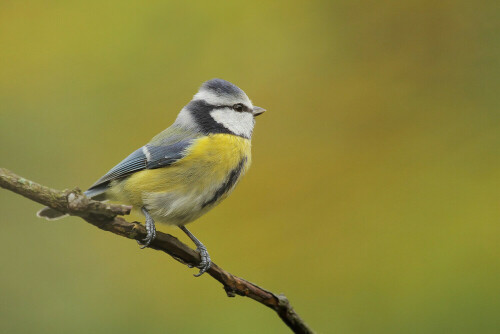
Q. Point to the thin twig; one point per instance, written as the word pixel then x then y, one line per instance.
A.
pixel 104 216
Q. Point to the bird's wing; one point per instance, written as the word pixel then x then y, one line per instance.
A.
pixel 150 156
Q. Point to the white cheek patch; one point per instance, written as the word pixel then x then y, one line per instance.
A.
pixel 240 123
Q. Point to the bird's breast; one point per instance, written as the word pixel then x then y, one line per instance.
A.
pixel 186 189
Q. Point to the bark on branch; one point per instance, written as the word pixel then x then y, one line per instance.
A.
pixel 105 217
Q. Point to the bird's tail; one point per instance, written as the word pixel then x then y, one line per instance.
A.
pixel 51 214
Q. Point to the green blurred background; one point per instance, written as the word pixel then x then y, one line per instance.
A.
pixel 372 201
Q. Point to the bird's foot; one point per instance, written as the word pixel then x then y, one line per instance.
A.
pixel 205 263
pixel 150 229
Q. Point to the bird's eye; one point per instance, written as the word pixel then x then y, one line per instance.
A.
pixel 238 107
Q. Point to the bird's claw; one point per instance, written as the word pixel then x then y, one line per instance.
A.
pixel 147 240
pixel 150 230
pixel 205 263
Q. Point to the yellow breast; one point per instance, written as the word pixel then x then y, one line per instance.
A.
pixel 191 180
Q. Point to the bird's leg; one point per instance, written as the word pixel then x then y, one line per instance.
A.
pixel 150 229
pixel 205 258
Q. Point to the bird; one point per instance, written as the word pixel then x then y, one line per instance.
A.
pixel 188 168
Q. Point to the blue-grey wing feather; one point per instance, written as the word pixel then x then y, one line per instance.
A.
pixel 162 156
pixel 150 156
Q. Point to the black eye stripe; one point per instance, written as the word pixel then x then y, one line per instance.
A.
pixel 201 110
pixel 245 108
pixel 213 106
pixel 238 107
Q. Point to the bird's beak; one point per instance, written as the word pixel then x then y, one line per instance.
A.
pixel 257 111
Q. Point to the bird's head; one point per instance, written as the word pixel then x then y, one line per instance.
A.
pixel 220 107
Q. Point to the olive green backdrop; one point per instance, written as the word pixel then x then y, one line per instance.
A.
pixel 372 201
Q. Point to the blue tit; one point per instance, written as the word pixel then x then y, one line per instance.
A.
pixel 187 169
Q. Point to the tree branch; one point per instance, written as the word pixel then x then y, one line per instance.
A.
pixel 105 217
